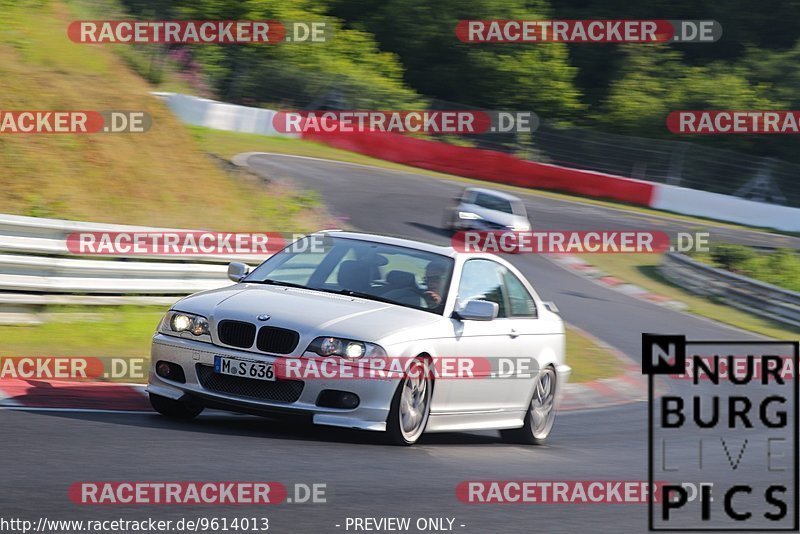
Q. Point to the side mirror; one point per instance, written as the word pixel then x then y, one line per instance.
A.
pixel 237 271
pixel 551 306
pixel 477 310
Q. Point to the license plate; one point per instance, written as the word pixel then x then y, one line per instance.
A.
pixel 243 368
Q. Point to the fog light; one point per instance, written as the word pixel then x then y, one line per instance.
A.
pixel 170 371
pixel 330 398
pixel 163 369
pixel 348 400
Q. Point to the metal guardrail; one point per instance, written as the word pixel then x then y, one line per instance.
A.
pixel 36 236
pixel 739 291
pixel 37 270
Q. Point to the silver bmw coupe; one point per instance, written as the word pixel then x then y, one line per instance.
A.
pixel 368 332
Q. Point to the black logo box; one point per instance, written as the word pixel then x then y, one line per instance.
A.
pixel 678 366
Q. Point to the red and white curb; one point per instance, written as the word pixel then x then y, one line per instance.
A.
pixel 627 387
pixel 36 394
pixel 587 270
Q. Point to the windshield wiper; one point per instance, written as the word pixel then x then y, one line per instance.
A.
pixel 277 283
pixel 370 296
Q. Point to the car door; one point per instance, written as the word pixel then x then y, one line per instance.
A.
pixel 530 334
pixel 482 279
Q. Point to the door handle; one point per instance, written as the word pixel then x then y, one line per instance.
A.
pixel 513 333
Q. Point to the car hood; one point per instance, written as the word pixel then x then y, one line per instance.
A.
pixel 311 313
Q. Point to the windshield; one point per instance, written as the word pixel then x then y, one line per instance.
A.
pixel 398 275
pixel 494 203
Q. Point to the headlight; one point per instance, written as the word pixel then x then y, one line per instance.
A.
pixel 178 322
pixel 349 349
pixel 468 215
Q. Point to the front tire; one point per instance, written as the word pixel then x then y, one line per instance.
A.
pixel 411 406
pixel 541 413
pixel 173 409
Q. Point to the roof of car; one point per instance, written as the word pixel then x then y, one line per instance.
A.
pixel 498 194
pixel 397 241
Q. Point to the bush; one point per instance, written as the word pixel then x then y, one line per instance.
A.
pixel 780 267
pixel 731 257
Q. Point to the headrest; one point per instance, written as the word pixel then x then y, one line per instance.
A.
pixel 354 275
pixel 401 279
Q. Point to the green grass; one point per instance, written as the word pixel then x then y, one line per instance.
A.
pixel 148 61
pixel 120 333
pixel 126 331
pixel 123 331
pixel 589 361
pixel 158 178
pixel 641 270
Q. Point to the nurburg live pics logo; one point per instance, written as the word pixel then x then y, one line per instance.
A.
pixel 725 441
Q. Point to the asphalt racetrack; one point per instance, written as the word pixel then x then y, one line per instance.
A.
pixel 44 452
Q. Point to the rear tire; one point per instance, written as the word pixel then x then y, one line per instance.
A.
pixel 182 410
pixel 411 406
pixel 541 413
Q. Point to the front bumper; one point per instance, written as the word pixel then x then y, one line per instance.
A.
pixel 375 394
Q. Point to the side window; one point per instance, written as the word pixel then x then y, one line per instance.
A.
pixel 520 302
pixel 483 280
pixel 483 200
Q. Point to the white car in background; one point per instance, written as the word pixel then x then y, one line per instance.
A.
pixel 356 301
pixel 484 209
